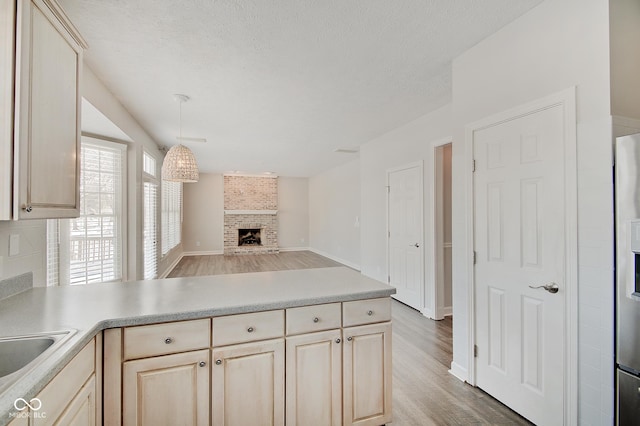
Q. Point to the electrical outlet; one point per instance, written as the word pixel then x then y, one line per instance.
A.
pixel 197 243
pixel 14 245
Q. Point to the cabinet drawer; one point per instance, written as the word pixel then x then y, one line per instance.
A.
pixel 366 311
pixel 313 318
pixel 161 339
pixel 247 327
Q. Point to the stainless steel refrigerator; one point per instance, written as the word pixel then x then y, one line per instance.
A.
pixel 627 208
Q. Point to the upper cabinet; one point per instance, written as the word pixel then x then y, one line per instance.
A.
pixel 41 65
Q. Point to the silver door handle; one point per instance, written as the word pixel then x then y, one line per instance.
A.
pixel 551 287
pixel 416 245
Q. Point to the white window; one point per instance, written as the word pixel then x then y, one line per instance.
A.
pixel 150 212
pixel 89 249
pixel 171 215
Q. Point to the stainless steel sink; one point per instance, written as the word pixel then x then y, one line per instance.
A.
pixel 19 354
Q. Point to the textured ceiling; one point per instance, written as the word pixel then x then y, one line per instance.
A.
pixel 278 85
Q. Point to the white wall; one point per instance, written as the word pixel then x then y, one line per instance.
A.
pixel 32 256
pixel 404 145
pixel 203 219
pixel 94 91
pixel 334 213
pixel 559 44
pixel 625 61
pixel 293 212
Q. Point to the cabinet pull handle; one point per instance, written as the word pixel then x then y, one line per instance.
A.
pixel 168 340
pixel 316 319
pixel 202 363
pixel 27 208
pixel 218 361
pixel 370 313
pixel 250 329
pixel 338 341
pixel 349 338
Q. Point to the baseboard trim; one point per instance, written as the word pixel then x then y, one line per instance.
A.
pixel 335 258
pixel 294 249
pixel 447 311
pixel 203 253
pixel 171 267
pixel 459 372
pixel 427 312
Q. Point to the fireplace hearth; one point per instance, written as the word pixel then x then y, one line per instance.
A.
pixel 249 237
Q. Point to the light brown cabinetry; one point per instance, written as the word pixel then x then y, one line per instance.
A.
pixel 367 374
pixel 71 398
pixel 327 364
pixel 168 389
pixel 366 362
pixel 248 384
pixel 248 369
pixel 340 376
pixel 40 102
pixel 165 374
pixel 314 379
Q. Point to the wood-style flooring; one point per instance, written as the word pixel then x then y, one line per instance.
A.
pixel 193 266
pixel 424 392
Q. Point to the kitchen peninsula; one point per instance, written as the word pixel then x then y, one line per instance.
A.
pixel 270 347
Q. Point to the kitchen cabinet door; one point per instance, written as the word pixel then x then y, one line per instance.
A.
pixel 169 390
pixel 367 375
pixel 248 384
pixel 70 398
pixel 46 111
pixel 314 379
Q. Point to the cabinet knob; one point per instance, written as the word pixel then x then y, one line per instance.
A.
pixel 349 338
pixel 369 313
pixel 27 208
pixel 218 361
pixel 250 329
pixel 316 319
pixel 202 363
pixel 168 340
pixel 338 340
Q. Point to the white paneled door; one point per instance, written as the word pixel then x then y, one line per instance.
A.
pixel 406 234
pixel 519 244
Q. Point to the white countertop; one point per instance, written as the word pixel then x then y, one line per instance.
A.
pixel 90 309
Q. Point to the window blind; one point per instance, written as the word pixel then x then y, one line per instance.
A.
pixel 53 254
pixel 150 230
pixel 171 215
pixel 88 249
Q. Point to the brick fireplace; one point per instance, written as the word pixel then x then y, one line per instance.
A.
pixel 250 214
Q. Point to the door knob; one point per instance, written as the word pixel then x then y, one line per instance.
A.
pixel 551 287
pixel 416 245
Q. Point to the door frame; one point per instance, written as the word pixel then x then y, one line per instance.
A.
pixel 420 165
pixel 566 99
pixel 434 310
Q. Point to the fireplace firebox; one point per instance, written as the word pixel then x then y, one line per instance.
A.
pixel 249 237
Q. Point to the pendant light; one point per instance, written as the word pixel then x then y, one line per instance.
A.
pixel 179 164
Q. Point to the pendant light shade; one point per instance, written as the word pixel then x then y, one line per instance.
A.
pixel 180 165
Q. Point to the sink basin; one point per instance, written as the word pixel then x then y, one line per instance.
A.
pixel 19 354
pixel 16 353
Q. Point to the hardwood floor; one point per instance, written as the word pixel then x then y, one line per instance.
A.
pixel 424 392
pixel 192 266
